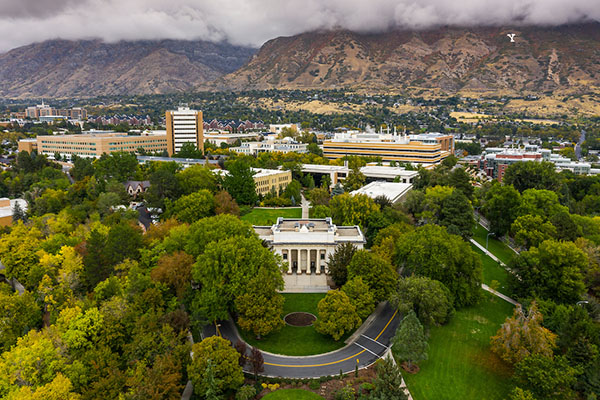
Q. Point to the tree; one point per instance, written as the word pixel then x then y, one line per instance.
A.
pixel 523 335
pixel 163 186
pixel 338 262
pixel 352 210
pixel 378 273
pixel 195 178
pixel 540 202
pixel 224 360
pixel 213 229
pixel 501 208
pixel 225 204
pixel 431 251
pixel 566 229
pixel 355 180
pixel 554 270
pixel 225 269
pixel 430 299
pixel 174 270
pixel 360 296
pixel 293 190
pixel 60 388
pixel 160 380
pixel 520 394
pixel 19 313
pixel 457 214
pixel 531 231
pixel 461 180
pixel 547 377
pixel 256 362
pixel 260 308
pixel 119 165
pixel 240 182
pixel 531 175
pixel 107 202
pixel 319 196
pixel 409 344
pixel 193 207
pixel 388 383
pixel 96 266
pixel 124 240
pixel 19 214
pixel 82 167
pixel 337 190
pixel 337 315
pixel 19 253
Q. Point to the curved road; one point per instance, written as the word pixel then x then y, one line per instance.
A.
pixel 365 349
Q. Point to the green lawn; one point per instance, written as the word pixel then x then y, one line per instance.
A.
pixel 492 271
pixel 296 341
pixel 495 246
pixel 292 394
pixel 267 216
pixel 461 365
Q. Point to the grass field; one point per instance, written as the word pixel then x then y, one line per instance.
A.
pixel 461 365
pixel 296 341
pixel 292 394
pixel 492 271
pixel 268 216
pixel 499 249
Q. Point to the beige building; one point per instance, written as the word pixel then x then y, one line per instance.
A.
pixel 271 180
pixel 94 144
pixel 7 208
pixel 429 148
pixel 184 126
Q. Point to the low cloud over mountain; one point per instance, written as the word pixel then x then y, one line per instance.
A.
pixel 252 22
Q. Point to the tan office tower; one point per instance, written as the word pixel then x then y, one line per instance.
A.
pixel 184 126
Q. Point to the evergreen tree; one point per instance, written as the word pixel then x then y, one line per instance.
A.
pixel 338 263
pixel 409 343
pixel 18 213
pixel 388 384
pixel 240 183
pixel 337 189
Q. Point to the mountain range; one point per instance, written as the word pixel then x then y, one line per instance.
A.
pixel 88 68
pixel 541 60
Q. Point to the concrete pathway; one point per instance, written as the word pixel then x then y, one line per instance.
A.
pixel 498 294
pixel 493 257
pixel 305 207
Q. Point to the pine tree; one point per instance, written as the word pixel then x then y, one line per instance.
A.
pixel 409 343
pixel 18 213
pixel 337 189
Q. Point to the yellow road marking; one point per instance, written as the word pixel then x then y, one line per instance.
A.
pixel 338 361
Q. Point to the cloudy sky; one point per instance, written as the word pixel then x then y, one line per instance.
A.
pixel 252 22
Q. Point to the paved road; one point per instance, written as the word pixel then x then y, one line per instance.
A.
pixel 366 349
pixel 305 207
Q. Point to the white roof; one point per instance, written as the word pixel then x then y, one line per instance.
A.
pixel 8 211
pixel 393 191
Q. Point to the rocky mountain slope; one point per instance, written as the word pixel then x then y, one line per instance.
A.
pixel 86 68
pixel 563 59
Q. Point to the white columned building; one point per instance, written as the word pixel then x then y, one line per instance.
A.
pixel 305 246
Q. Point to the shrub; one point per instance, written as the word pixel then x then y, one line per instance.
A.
pixel 246 392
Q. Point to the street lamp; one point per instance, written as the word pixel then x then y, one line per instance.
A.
pixel 582 302
pixel 487 238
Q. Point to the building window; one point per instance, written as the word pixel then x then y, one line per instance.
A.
pixel 285 256
pixel 322 256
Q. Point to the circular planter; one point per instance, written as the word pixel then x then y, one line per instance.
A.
pixel 299 319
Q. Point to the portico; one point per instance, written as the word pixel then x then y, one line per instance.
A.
pixel 306 244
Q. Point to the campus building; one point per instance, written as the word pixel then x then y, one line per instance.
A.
pixel 271 180
pixel 495 160
pixel 94 144
pixel 7 209
pixel 184 126
pixel 281 146
pixel 267 180
pixel 393 191
pixel 306 244
pixel 429 148
pixel 44 112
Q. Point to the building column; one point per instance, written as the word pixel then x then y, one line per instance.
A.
pixel 289 260
pixel 306 261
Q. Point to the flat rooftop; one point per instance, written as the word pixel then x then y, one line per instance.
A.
pixel 393 191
